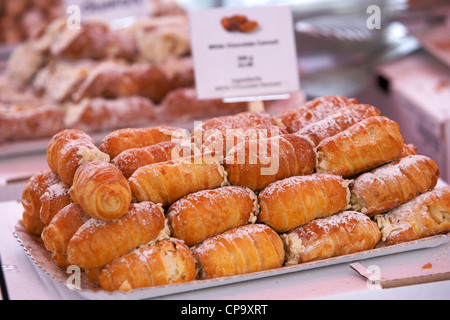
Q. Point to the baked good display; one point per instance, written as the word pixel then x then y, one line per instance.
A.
pixel 245 249
pixel 426 215
pixel 190 213
pixel 101 190
pixel 294 201
pixel 164 262
pixel 98 242
pixel 257 163
pixel 343 233
pixel 367 144
pixel 68 149
pixel 392 184
pixel 207 213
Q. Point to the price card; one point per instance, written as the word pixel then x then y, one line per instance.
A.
pixel 244 52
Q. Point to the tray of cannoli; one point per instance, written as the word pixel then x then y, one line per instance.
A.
pixel 158 210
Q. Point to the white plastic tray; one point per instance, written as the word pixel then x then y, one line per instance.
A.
pixel 44 263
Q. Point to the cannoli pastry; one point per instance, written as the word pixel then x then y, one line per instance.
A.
pixel 165 262
pixel 182 103
pixel 392 184
pixel 105 114
pixel 123 139
pixel 52 200
pixel 244 249
pixel 426 215
pixel 29 121
pixel 257 163
pixel 206 213
pixel 340 234
pixel 237 121
pixel 98 242
pixel 113 80
pixel 23 63
pixel 128 161
pixel 68 149
pixel 313 111
pixel 161 38
pixel 289 203
pixel 101 190
pixel 365 145
pixel 222 141
pixel 180 72
pixel 31 199
pixel 166 182
pixel 57 234
pixel 337 122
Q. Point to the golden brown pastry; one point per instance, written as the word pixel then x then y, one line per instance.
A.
pixel 343 233
pixel 392 184
pixel 109 114
pixel 52 200
pixel 245 249
pixel 206 213
pixel 426 215
pixel 222 141
pixel 236 121
pixel 409 150
pixel 98 242
pixel 113 80
pixel 182 104
pixel 68 149
pixel 257 163
pixel 128 161
pixel 31 199
pixel 20 121
pixel 365 145
pixel 123 139
pixel 101 190
pixel 57 234
pixel 313 111
pixel 166 182
pixel 289 203
pixel 337 122
pixel 164 262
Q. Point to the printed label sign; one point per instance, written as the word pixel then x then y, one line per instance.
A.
pixel 242 52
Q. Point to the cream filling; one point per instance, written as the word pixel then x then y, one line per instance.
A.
pixel 385 225
pixel 88 155
pixel 293 246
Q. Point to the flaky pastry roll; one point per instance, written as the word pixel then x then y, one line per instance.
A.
pixel 31 199
pixel 392 184
pixel 289 203
pixel 365 145
pixel 245 249
pixel 52 200
pixel 343 233
pixel 236 121
pixel 337 122
pixel 165 262
pixel 68 149
pixel 313 111
pixel 123 139
pixel 426 215
pixel 128 161
pixel 206 213
pixel 166 182
pixel 57 234
pixel 101 190
pixel 257 163
pixel 98 242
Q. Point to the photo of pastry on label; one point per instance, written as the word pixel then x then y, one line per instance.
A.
pixel 239 23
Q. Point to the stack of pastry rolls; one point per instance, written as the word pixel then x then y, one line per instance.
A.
pixel 237 194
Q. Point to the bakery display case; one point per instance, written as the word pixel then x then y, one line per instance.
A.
pixel 118 182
